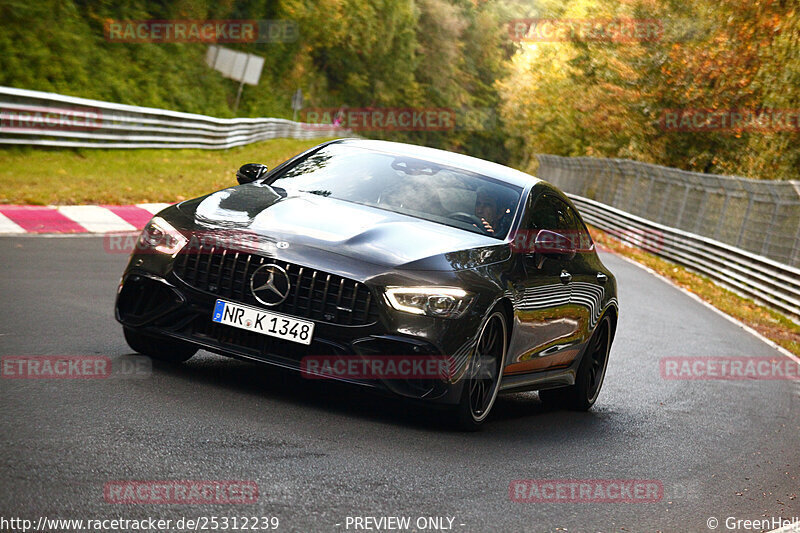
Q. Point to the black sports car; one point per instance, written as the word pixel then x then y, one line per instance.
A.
pixel 360 250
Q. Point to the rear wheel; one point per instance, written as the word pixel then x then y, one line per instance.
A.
pixel 483 376
pixel 170 350
pixel 591 372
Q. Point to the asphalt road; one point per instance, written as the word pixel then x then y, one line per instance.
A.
pixel 321 452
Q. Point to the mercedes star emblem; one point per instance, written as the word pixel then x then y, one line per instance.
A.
pixel 270 284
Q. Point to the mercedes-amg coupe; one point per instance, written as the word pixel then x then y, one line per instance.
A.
pixel 381 252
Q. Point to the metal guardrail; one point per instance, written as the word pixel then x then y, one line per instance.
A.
pixel 762 279
pixel 48 119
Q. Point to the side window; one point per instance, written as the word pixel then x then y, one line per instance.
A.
pixel 548 213
pixel 577 231
pixel 551 213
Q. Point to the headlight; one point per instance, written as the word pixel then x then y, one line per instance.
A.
pixel 159 235
pixel 442 302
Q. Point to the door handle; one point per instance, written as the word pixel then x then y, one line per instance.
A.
pixel 602 278
pixel 565 276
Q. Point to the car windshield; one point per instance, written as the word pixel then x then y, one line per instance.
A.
pixel 415 187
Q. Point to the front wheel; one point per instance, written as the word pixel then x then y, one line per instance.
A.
pixel 483 376
pixel 582 395
pixel 173 351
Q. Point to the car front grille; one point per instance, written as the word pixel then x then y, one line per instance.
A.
pixel 314 294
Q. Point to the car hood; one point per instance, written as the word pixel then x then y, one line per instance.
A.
pixel 360 232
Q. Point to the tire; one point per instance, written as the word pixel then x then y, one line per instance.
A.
pixel 169 350
pixel 483 376
pixel 592 370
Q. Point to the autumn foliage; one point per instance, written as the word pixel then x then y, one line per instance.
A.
pixel 607 99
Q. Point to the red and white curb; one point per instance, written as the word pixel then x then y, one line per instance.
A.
pixel 20 219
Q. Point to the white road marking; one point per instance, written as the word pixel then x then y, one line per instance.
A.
pixel 9 226
pixel 153 208
pixel 95 219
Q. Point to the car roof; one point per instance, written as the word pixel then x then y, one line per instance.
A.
pixel 473 164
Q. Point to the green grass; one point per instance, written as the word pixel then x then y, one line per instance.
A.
pixel 94 176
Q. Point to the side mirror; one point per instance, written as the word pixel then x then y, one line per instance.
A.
pixel 545 244
pixel 554 245
pixel 250 172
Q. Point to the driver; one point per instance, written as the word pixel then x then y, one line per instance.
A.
pixel 486 209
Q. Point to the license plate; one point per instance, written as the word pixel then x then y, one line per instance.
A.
pixel 264 322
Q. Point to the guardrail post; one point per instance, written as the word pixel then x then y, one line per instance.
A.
pixel 652 175
pixel 795 253
pixel 617 188
pixel 701 212
pixel 745 219
pixel 682 208
pixel 795 260
pixel 663 210
pixel 721 219
pixel 773 220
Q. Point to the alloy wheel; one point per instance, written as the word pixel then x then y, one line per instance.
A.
pixel 486 366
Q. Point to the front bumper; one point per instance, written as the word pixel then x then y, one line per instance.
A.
pixel 164 305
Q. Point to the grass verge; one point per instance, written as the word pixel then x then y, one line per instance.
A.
pixel 95 176
pixel 771 324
